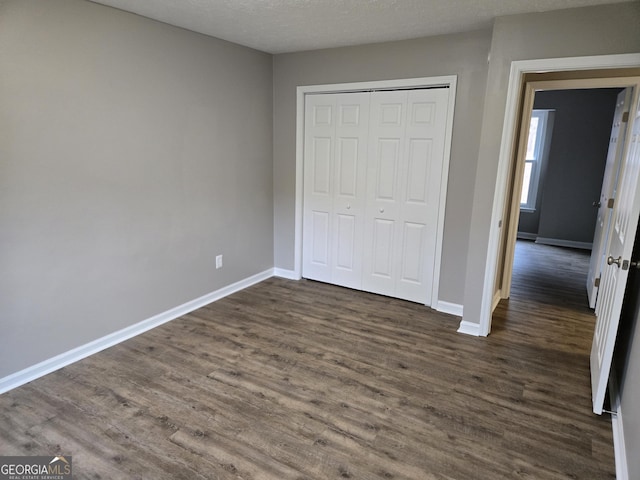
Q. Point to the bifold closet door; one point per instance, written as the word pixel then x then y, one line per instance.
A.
pixel 372 178
pixel 407 131
pixel 335 152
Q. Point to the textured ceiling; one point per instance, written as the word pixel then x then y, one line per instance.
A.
pixel 278 26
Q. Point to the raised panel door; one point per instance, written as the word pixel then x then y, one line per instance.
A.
pixel 420 178
pixel 623 227
pixel 387 130
pixel 334 183
pixel 608 192
pixel 406 144
pixel 372 182
pixel 320 113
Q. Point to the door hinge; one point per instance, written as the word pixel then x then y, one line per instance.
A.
pixel 596 282
pixel 610 202
pixel 625 117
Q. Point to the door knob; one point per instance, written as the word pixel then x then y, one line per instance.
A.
pixel 611 260
pixel 348 206
pixel 382 210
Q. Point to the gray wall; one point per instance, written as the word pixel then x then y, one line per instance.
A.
pixel 626 365
pixel 464 55
pixel 577 157
pixel 131 153
pixel 608 29
pixel 629 404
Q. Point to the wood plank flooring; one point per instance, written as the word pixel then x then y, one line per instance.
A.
pixel 302 380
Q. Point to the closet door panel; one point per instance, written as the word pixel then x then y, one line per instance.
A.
pixel 421 175
pixel 384 168
pixel 407 136
pixel 349 199
pixel 334 187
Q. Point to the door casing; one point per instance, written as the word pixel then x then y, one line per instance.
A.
pixel 513 207
pixel 507 154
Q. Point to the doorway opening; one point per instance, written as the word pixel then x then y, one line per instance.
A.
pixel 604 66
pixel 620 229
pixel 566 154
pixel 565 206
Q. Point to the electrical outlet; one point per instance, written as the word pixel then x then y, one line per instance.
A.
pixel 218 261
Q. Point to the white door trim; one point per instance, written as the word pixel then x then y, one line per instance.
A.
pixel 425 82
pixel 518 69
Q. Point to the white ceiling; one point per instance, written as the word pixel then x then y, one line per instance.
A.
pixel 278 26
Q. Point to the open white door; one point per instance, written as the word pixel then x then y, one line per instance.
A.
pixel 608 194
pixel 623 225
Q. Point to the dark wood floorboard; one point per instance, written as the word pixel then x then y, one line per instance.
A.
pixel 301 380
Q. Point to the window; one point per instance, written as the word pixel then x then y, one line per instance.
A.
pixel 535 150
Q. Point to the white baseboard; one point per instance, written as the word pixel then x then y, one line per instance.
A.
pixel 288 274
pixel 448 307
pixel 557 242
pixel 52 364
pixel 619 449
pixel 469 328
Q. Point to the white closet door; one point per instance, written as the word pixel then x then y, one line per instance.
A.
pixel 334 185
pixel 406 153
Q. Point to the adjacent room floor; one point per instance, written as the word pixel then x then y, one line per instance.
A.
pixel 302 380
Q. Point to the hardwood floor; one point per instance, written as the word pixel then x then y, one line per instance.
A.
pixel 301 380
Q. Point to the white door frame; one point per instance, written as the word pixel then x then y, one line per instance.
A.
pixel 530 90
pixel 511 121
pixel 449 81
